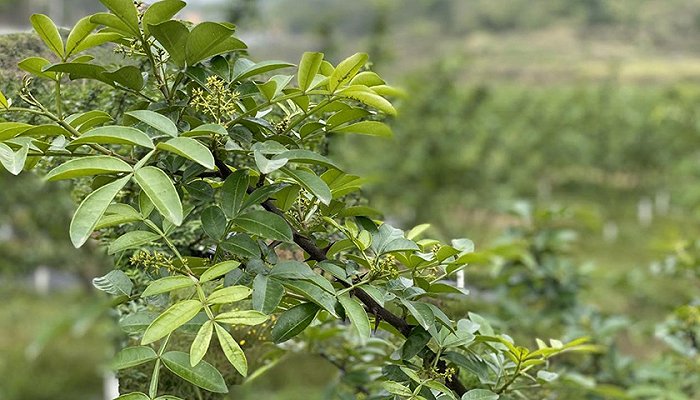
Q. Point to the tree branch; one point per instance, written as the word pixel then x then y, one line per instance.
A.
pixel 317 254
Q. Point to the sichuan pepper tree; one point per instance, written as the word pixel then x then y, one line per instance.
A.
pixel 214 197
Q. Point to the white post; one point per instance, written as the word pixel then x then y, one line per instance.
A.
pixel 460 279
pixel 111 386
pixel 42 280
pixel 645 211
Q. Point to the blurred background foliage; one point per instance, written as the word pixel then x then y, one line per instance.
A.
pixel 562 136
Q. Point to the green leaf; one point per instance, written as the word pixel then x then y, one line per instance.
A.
pixel 88 120
pixel 168 284
pixel 91 210
pixel 205 41
pixel 132 240
pixel 308 68
pixel 200 344
pixel 315 294
pixel 259 195
pixel 128 76
pixel 161 11
pixel 265 224
pixel 172 35
pixel 421 312
pixel 35 66
pixel 156 121
pixel 203 374
pixel 388 239
pixel 3 101
pixel 372 128
pixel 191 149
pixel 48 33
pixel 346 70
pixel 115 135
pixel 229 294
pixel 241 245
pixel 81 31
pixel 118 214
pixel 96 39
pixel 311 182
pixel 242 317
pixel 161 191
pixel 13 161
pixel 266 166
pixel 232 350
pixel 115 282
pixel 133 396
pixel 218 270
pixel 397 388
pixel 177 315
pixel 368 97
pixel 267 293
pixel 87 166
pixel 414 343
pixel 480 394
pixel 261 68
pixel 367 78
pixel 133 356
pixel 125 10
pixel 234 192
pixel 307 157
pixel 357 315
pixel 293 321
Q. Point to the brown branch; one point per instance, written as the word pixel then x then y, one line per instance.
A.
pixel 317 254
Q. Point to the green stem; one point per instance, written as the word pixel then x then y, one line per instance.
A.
pixel 59 101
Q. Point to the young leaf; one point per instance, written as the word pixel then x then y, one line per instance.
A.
pixel 234 192
pixel 372 128
pixel 115 282
pixel 229 294
pixel 293 321
pixel 200 344
pixel 265 224
pixel 242 317
pixel 218 270
pixel 177 315
pixel 87 166
pixel 156 121
pixel 388 239
pixel 161 191
pixel 308 68
pixel 311 182
pixel 346 70
pixel 168 284
pixel 203 374
pixel 115 135
pixel 267 293
pixel 191 149
pixel 133 356
pixel 48 33
pixel 233 352
pixel 357 315
pixel 91 210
